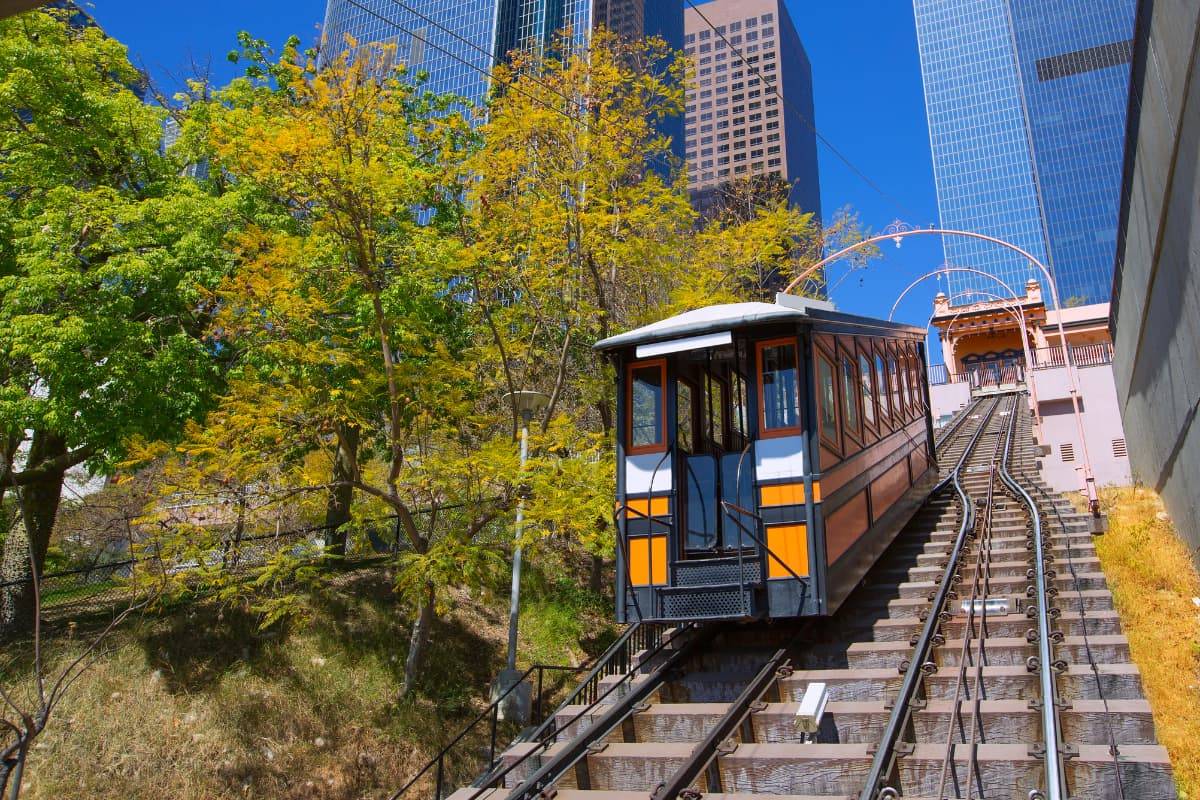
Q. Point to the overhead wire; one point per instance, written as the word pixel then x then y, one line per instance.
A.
pixel 802 117
pixel 508 84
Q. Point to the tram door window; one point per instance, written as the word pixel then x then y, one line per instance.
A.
pixel 710 463
pixel 779 388
pixel 647 407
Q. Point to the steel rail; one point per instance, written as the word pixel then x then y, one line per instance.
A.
pixel 1113 749
pixel 704 753
pixel 1056 788
pixel 884 758
pixel 947 434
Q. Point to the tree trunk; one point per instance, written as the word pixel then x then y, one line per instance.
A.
pixel 596 575
pixel 16 600
pixel 337 509
pixel 26 545
pixel 417 642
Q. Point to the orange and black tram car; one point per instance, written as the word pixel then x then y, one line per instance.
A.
pixel 768 454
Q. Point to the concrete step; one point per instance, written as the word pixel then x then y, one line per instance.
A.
pixel 1010 651
pixel 1003 770
pixel 1116 682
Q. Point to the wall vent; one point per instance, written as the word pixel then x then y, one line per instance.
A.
pixel 1068 452
pixel 1119 450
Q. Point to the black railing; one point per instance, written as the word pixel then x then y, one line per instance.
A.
pixel 491 717
pixel 620 658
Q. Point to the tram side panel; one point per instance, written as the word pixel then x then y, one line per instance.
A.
pixel 874 453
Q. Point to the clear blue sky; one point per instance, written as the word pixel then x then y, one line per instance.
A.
pixel 869 105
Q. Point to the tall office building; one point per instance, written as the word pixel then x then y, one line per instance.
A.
pixel 457 42
pixel 736 125
pixel 1026 105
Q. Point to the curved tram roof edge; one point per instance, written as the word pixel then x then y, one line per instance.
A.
pixel 730 316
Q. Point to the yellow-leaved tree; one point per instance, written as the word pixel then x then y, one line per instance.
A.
pixel 353 374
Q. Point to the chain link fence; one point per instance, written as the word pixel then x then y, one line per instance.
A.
pixel 105 584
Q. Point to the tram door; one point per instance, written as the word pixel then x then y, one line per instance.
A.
pixel 717 469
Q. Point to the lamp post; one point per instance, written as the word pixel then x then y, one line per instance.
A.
pixel 517 703
pixel 898 231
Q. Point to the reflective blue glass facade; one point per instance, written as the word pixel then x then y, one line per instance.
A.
pixel 434 36
pixel 458 41
pixel 1026 105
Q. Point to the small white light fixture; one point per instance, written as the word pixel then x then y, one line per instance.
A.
pixel 812 708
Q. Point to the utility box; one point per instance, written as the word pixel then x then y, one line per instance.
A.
pixel 517 704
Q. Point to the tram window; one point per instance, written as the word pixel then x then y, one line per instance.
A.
pixel 647 407
pixel 778 386
pixel 739 421
pixel 714 404
pixel 828 398
pixel 685 416
pixel 850 395
pixel 868 395
pixel 882 388
pixel 897 392
pixel 914 387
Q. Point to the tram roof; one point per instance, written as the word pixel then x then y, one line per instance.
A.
pixel 731 316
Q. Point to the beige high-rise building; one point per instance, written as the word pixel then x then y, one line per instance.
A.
pixel 750 111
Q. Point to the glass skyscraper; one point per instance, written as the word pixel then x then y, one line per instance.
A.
pixel 1026 105
pixel 457 42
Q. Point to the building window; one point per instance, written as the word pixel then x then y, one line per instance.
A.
pixel 778 386
pixel 647 406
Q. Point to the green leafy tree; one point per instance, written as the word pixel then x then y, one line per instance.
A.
pixel 105 252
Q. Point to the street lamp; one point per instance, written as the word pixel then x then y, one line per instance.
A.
pixel 898 231
pixel 517 703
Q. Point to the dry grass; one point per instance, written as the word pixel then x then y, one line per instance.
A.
pixel 1154 585
pixel 202 705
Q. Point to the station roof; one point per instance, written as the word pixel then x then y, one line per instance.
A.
pixel 730 316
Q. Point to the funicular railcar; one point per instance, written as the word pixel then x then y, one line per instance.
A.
pixel 768 454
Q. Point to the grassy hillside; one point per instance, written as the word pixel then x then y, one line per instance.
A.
pixel 1156 588
pixel 200 704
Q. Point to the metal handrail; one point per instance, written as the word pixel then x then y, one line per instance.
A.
pixel 725 504
pixel 1056 788
pixel 493 710
pixel 881 764
pixel 600 728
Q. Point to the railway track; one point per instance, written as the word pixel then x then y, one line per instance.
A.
pixel 980 659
